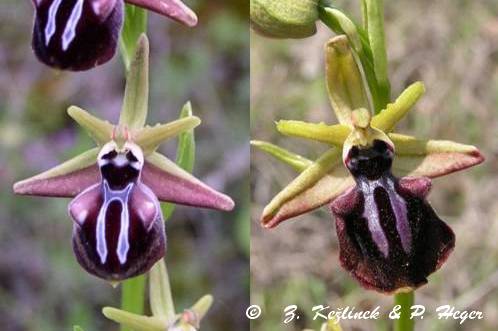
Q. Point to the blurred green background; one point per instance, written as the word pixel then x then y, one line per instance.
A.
pixel 42 288
pixel 452 46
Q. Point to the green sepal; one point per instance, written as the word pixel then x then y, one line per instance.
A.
pixel 297 162
pixel 330 134
pixel 346 87
pixel 310 176
pixel 150 137
pixel 387 119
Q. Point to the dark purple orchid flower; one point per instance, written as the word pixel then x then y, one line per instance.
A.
pixel 81 34
pixel 118 228
pixel 118 225
pixel 390 238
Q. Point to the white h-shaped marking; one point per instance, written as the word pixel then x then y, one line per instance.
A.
pixel 123 244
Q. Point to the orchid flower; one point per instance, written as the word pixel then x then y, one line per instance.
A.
pixel 164 317
pixel 81 34
pixel 118 229
pixel 390 238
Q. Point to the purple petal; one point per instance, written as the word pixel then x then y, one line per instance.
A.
pixel 170 188
pixel 76 34
pixel 64 186
pixel 174 9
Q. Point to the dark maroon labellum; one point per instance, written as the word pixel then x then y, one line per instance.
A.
pixel 76 34
pixel 118 228
pixel 390 237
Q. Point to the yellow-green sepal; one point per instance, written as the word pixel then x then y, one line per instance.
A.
pixel 307 192
pixel 297 162
pixel 387 119
pixel 346 87
pixel 330 134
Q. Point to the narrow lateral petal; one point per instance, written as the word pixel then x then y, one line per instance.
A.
pixel 136 99
pixel 432 158
pixel 387 119
pixel 172 184
pixel 345 83
pixel 66 180
pixel 308 178
pixel 149 138
pixel 201 307
pixel 321 193
pixel 174 9
pixel 100 131
pixel 297 162
pixel 330 134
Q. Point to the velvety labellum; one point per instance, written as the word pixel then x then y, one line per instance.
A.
pixel 118 228
pixel 390 237
pixel 76 34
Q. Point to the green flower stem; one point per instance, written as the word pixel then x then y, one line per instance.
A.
pixel 185 154
pixel 133 297
pixel 135 24
pixel 368 42
pixel 405 300
pixel 133 290
pixel 376 36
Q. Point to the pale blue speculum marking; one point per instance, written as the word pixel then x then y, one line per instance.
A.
pixel 121 196
pixel 72 23
pixel 371 212
pixel 51 26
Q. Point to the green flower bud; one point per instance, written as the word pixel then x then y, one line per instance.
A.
pixel 284 18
